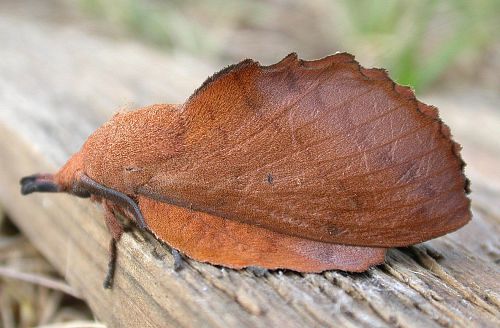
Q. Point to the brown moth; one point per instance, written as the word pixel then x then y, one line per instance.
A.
pixel 302 165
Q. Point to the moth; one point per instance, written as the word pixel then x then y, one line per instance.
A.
pixel 301 165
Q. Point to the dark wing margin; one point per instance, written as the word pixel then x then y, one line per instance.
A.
pixel 220 74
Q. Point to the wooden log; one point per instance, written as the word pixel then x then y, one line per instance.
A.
pixel 57 84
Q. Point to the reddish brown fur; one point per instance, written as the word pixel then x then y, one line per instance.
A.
pixel 313 154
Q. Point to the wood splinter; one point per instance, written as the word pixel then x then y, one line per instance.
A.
pixel 301 165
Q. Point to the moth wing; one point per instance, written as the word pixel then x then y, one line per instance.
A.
pixel 325 150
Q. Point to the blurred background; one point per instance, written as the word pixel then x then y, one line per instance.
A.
pixel 418 41
pixel 449 47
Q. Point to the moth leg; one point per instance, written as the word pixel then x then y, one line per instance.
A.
pixel 115 227
pixel 177 259
pixel 114 196
pixel 257 271
pixel 110 275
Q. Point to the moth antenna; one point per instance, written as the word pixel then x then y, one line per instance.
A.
pixel 115 196
pixel 38 183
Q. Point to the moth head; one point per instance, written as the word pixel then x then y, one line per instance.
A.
pixel 122 154
pixel 65 180
pixel 125 152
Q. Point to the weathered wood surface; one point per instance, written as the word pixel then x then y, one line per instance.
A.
pixel 57 84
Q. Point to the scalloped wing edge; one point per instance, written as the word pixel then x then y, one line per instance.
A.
pixel 407 92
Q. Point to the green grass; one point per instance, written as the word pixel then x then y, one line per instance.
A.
pixel 425 37
pixel 161 23
pixel 416 40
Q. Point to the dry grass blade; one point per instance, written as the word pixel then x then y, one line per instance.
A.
pixel 31 292
pixel 75 324
pixel 39 280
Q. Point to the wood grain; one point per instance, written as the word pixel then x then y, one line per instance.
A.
pixel 57 84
